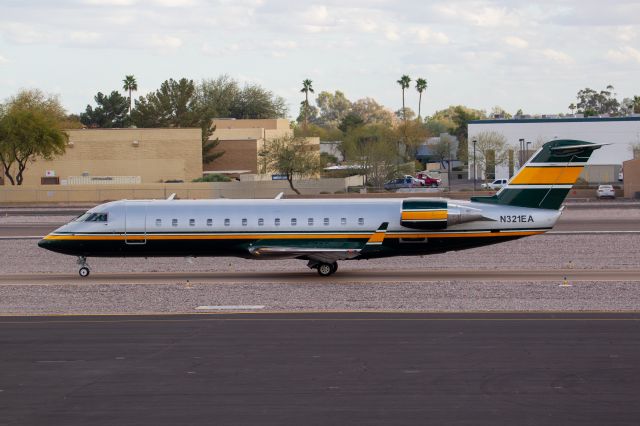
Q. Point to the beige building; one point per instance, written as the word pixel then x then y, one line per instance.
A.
pixel 631 178
pixel 242 140
pixel 122 156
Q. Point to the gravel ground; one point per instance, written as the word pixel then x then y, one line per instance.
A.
pixel 441 296
pixel 603 251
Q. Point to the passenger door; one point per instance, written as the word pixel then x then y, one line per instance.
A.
pixel 135 222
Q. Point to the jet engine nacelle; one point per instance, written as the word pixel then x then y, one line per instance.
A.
pixel 436 214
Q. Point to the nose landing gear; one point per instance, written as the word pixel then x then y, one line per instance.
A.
pixel 84 270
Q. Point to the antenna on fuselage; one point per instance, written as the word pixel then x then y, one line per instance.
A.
pixel 172 196
pixel 279 196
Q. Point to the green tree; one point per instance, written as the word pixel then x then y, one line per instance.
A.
pixel 110 112
pixel 130 85
pixel 333 108
pixel 223 97
pixel 572 107
pixel 592 103
pixel 404 82
pixel 455 120
pixel 373 149
pixel 29 130
pixel 421 86
pixel 256 102
pixel 350 121
pixel 373 113
pixel 208 145
pixel 291 156
pixel 173 105
pixel 636 104
pixel 306 88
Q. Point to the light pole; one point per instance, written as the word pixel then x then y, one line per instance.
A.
pixel 528 143
pixel 475 168
pixel 521 152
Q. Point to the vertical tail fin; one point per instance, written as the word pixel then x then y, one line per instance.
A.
pixel 546 179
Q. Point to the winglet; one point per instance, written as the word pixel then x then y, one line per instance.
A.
pixel 378 237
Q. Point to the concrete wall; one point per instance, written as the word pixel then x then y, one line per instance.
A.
pixel 101 193
pixel 631 178
pixel 160 154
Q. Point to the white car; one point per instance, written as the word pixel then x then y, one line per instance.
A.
pixel 495 185
pixel 606 191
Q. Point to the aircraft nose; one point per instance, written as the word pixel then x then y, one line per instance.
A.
pixel 43 243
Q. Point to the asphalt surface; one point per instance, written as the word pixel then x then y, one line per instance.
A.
pixel 571 225
pixel 321 369
pixel 311 277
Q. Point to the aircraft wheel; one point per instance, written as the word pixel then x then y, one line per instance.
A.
pixel 325 269
pixel 84 272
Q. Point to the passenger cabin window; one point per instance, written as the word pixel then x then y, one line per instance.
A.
pixel 361 221
pixel 158 222
pixel 294 221
pixel 260 222
pixel 310 221
pixel 209 222
pixel 227 222
pixel 244 221
pixel 174 222
pixel 343 221
pixel 277 221
pixel 192 222
pixel 326 221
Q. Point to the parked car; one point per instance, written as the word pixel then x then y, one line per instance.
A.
pixel 606 191
pixel 408 182
pixel 428 180
pixel 495 185
pixel 420 181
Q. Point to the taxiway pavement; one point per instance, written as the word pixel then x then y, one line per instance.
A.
pixel 319 369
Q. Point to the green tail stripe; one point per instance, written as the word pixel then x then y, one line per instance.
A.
pixel 578 155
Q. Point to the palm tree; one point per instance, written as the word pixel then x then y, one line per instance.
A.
pixel 306 88
pixel 636 104
pixel 572 107
pixel 404 84
pixel 130 85
pixel 421 86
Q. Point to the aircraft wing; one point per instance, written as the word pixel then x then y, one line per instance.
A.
pixel 320 251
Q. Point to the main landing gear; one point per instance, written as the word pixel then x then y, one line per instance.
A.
pixel 324 269
pixel 84 267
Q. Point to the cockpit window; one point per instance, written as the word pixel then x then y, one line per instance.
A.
pixel 93 217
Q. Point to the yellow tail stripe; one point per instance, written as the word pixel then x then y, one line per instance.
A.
pixel 425 215
pixel 532 175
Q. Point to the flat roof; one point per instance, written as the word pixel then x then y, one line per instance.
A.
pixel 555 120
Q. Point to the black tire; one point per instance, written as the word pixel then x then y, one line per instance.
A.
pixel 84 272
pixel 325 269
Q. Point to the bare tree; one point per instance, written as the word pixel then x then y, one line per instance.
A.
pixel 491 151
pixel 290 156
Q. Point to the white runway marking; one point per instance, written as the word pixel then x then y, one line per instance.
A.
pixel 230 308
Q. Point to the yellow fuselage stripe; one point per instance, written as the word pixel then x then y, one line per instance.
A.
pixel 532 175
pixel 425 215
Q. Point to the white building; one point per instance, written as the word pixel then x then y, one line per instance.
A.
pixel 620 132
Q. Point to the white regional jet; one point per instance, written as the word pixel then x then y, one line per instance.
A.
pixel 324 231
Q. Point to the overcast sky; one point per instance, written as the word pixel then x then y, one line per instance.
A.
pixel 512 53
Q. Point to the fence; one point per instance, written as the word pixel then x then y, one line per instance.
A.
pixel 59 194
